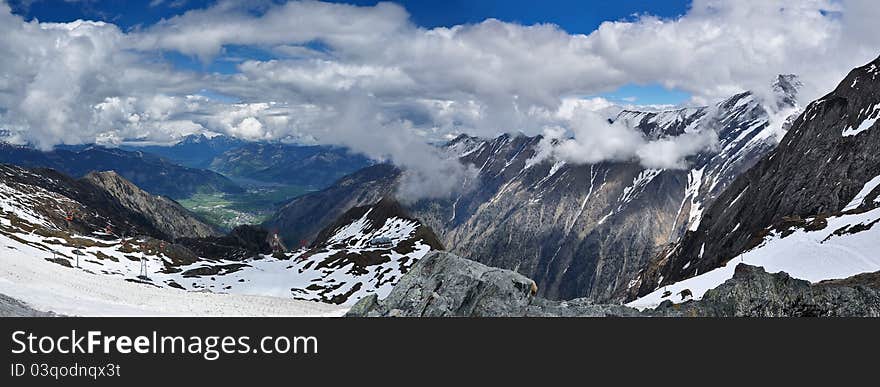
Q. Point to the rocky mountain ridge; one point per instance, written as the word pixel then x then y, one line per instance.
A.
pixel 103 225
pixel 166 215
pixel 825 165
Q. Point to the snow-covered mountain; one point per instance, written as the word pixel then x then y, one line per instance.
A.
pixel 747 127
pixel 577 230
pixel 807 208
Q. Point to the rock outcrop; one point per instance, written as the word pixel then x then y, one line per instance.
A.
pixel 752 292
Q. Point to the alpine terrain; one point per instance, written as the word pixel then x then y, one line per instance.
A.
pixel 104 230
pixel 808 207
pixel 578 230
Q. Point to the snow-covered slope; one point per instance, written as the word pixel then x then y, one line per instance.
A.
pixel 813 249
pixel 69 247
pixel 55 269
pixel 103 287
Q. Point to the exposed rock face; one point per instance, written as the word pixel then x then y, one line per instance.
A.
pixel 165 214
pixel 824 161
pixel 752 292
pixel 444 285
pixel 578 230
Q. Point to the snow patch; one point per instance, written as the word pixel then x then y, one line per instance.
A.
pixel 870 117
pixel 860 197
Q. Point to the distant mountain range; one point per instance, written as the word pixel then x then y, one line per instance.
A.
pixel 314 167
pixel 152 173
pixel 307 166
pixel 228 181
pixel 194 151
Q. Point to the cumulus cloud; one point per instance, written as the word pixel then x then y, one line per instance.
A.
pixel 59 80
pixel 369 79
pixel 205 32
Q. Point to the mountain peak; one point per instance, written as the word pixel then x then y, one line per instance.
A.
pixel 786 87
pixel 787 82
pixel 194 139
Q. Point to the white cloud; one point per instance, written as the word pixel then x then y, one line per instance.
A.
pixel 204 32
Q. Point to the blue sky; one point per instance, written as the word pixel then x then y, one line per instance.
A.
pixel 574 16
